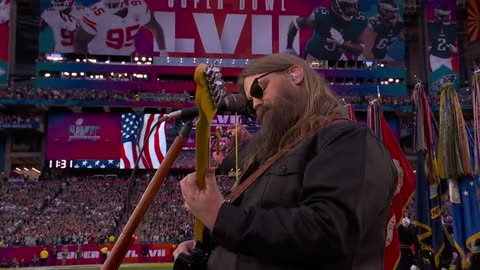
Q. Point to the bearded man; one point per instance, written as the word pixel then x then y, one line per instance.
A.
pixel 322 205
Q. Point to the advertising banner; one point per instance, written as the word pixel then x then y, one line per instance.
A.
pixel 225 121
pixel 226 29
pixel 5 36
pixel 473 20
pixel 73 136
pixel 90 254
pixel 442 43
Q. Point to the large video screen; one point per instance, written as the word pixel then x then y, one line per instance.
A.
pixel 227 29
pixel 91 136
pixel 106 140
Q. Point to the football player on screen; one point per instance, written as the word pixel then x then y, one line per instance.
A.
pixel 442 38
pixel 4 11
pixel 338 29
pixel 386 28
pixel 109 27
pixel 63 17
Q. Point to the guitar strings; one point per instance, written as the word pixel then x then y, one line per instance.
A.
pixel 236 151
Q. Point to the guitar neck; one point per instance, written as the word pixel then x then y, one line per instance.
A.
pixel 207 110
pixel 202 160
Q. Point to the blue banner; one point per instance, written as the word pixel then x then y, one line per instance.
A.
pixel 428 212
pixel 464 198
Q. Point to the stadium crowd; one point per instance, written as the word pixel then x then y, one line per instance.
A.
pixel 88 210
pixel 101 95
pixel 19 118
pixel 31 93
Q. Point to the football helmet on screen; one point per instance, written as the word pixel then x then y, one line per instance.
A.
pixel 114 6
pixel 346 9
pixel 443 14
pixel 388 10
pixel 62 4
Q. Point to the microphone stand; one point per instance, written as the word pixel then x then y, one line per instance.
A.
pixel 114 260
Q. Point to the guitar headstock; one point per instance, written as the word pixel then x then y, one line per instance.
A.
pixel 210 89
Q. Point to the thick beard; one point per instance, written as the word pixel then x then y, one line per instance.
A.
pixel 276 119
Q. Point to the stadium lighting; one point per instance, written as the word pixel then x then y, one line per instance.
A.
pixel 35 170
pixel 82 74
pixel 144 58
pixel 18 169
pixel 26 169
pixel 74 74
pixel 397 80
pixel 47 75
pixel 390 79
pixel 136 58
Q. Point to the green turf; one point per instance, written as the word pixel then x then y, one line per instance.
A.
pixel 132 266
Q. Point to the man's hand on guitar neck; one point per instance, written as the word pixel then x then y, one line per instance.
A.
pixel 203 203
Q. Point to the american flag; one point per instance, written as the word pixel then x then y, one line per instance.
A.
pixel 135 130
pixel 95 164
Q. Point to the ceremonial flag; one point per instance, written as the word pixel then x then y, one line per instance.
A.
pixel 405 185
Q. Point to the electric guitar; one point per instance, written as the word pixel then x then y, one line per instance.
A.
pixel 210 91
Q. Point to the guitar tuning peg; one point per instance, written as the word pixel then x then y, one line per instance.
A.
pixel 208 72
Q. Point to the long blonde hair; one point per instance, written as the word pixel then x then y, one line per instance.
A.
pixel 322 105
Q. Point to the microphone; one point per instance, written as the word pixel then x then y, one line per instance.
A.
pixel 231 103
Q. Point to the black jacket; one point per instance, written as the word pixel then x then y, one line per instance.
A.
pixel 323 205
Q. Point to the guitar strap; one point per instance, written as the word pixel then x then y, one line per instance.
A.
pixel 240 189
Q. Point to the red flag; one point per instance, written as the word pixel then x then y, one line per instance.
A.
pixel 401 199
pixel 351 112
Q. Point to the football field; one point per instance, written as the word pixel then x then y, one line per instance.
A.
pixel 130 266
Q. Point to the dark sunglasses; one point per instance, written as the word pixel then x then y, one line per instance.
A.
pixel 256 91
